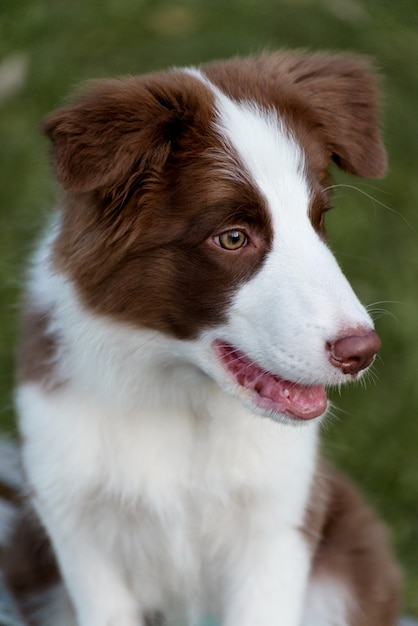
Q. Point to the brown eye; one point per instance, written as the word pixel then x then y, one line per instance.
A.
pixel 232 239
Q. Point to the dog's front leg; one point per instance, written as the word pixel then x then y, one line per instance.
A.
pixel 95 584
pixel 267 583
pixel 61 461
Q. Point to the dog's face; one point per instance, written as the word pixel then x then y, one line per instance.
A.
pixel 195 208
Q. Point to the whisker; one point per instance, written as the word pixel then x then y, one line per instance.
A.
pixel 377 312
pixel 374 200
pixel 334 414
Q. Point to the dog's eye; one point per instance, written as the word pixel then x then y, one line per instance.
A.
pixel 232 239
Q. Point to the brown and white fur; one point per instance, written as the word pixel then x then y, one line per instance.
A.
pixel 184 315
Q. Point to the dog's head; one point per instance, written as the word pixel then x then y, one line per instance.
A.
pixel 195 207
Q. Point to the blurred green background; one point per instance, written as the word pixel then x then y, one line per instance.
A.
pixel 48 46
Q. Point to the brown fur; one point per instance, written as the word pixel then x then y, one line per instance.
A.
pixel 136 243
pixel 329 101
pixel 350 545
pixel 37 348
pixel 139 158
pixel 148 185
pixel 28 563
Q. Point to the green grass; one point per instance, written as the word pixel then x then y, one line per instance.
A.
pixel 373 231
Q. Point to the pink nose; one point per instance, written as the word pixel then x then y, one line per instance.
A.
pixel 354 351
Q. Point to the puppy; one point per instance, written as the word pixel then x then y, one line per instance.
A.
pixel 183 318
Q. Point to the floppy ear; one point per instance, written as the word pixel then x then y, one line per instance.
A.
pixel 116 126
pixel 341 92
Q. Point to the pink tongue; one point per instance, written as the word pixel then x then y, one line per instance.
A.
pixel 272 392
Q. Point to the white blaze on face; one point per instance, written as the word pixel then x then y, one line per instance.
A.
pixel 284 316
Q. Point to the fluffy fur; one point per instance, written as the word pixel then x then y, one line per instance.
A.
pixel 183 314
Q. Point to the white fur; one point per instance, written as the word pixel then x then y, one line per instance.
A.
pixel 158 489
pixel 10 475
pixel 301 291
pixel 8 516
pixel 328 603
pixel 10 469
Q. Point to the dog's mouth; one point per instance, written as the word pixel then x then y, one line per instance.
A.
pixel 270 392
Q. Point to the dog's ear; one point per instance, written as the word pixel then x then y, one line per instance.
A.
pixel 117 126
pixel 336 95
pixel 341 91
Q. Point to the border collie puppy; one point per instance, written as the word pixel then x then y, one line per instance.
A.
pixel 183 318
